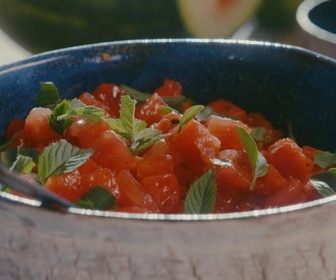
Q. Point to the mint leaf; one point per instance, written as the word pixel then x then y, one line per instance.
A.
pixel 257 160
pixel 324 159
pixel 60 125
pixel 7 144
pixel 132 129
pixel 48 95
pixel 325 182
pixel 23 164
pixel 61 116
pixel 173 102
pixel 322 187
pixel 98 198
pixel 59 158
pixel 201 197
pixel 188 115
pixel 259 134
pixel 8 157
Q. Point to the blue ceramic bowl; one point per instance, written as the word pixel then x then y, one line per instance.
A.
pixel 287 84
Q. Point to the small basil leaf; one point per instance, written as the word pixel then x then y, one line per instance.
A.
pixel 9 156
pixel 322 187
pixel 59 158
pixel 60 125
pixel 48 95
pixel 23 164
pixel 141 97
pixel 201 197
pixel 188 115
pixel 324 159
pixel 257 160
pixel 98 198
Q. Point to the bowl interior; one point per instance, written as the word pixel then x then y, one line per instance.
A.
pixel 290 86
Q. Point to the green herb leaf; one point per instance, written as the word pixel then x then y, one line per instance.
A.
pixel 23 164
pixel 7 144
pixel 325 182
pixel 258 162
pixel 61 116
pixel 59 158
pixel 259 134
pixel 189 114
pixel 48 95
pixel 324 159
pixel 206 113
pixel 201 197
pixel 60 125
pixel 98 198
pixel 132 129
pixel 8 157
pixel 173 102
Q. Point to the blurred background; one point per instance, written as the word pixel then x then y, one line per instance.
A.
pixel 29 27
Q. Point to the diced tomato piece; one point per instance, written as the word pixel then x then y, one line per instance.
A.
pixel 311 192
pixel 168 122
pixel 68 185
pixel 237 174
pixel 258 120
pixel 38 129
pixel 170 88
pixel 132 194
pixel 271 182
pixel 88 166
pixel 227 199
pixel 228 109
pixel 150 110
pixel 83 132
pixel 196 145
pixel 309 152
pixel 13 127
pixel 112 152
pixel 22 139
pixel 289 159
pixel 225 130
pixel 249 201
pixel 101 177
pixel 164 190
pixel 110 95
pixel 90 100
pixel 155 165
pixel 293 194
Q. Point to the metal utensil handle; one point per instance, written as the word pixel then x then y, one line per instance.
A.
pixel 47 198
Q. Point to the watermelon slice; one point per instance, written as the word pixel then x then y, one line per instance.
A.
pixel 216 18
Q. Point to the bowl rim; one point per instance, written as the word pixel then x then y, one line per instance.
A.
pixel 57 53
pixel 54 54
pixel 302 17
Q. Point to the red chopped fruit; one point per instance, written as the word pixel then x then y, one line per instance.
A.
pixel 156 177
pixel 169 88
pixel 228 109
pixel 225 130
pixel 112 152
pixel 196 145
pixel 289 159
pixel 132 194
pixel 68 185
pixel 165 192
pixel 38 129
pixel 150 111
pixel 110 95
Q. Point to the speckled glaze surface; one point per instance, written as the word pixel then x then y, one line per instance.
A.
pixel 286 84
